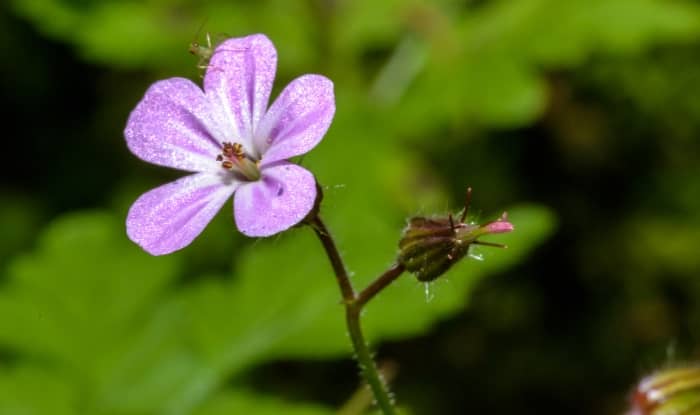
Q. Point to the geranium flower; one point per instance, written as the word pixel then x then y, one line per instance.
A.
pixel 232 142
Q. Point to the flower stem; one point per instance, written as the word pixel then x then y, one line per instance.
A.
pixel 366 362
pixel 341 273
pixel 353 307
pixel 379 284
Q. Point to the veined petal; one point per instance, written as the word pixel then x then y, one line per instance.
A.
pixel 279 200
pixel 169 217
pixel 171 126
pixel 297 120
pixel 238 82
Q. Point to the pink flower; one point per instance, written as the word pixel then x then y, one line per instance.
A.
pixel 232 142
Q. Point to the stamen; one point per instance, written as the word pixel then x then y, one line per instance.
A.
pixel 233 151
pixel 234 157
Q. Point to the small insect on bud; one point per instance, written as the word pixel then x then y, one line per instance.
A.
pixel 668 392
pixel 430 246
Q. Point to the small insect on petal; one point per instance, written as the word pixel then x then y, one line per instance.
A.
pixel 206 51
pixel 178 124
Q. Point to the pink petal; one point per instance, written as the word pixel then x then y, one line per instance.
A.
pixel 297 120
pixel 499 226
pixel 239 80
pixel 169 217
pixel 281 199
pixel 170 126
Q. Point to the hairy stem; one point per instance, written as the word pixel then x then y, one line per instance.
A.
pixel 353 307
pixel 379 284
pixel 366 362
pixel 341 273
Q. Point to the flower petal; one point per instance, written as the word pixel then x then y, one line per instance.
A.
pixel 297 120
pixel 281 199
pixel 239 80
pixel 171 127
pixel 169 217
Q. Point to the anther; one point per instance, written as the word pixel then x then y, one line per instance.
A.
pixel 234 157
pixel 233 150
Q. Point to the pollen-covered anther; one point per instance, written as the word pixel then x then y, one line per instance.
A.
pixel 233 151
pixel 233 157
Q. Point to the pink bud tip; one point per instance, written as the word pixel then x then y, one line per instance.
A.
pixel 499 226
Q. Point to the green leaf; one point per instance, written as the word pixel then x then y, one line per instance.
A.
pixel 490 67
pixel 283 301
pixel 83 271
pixel 242 402
pixel 102 313
pixel 403 309
pixel 156 34
pixel 88 302
pixel 32 391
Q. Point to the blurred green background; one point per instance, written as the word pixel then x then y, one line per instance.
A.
pixel 579 117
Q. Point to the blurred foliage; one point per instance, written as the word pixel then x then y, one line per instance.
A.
pixel 110 321
pixel 250 403
pixel 583 115
pixel 497 52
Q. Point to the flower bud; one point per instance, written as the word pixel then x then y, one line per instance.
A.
pixel 430 246
pixel 668 392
